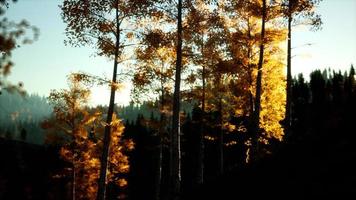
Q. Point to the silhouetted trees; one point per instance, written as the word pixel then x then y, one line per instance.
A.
pixel 20 113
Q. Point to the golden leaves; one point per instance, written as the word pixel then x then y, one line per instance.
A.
pixel 229 127
pixel 83 146
pixel 116 86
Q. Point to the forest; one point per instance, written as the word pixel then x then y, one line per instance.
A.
pixel 216 110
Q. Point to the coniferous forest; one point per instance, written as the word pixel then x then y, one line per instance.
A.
pixel 216 110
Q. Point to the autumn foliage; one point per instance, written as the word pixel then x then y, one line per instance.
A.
pixel 78 130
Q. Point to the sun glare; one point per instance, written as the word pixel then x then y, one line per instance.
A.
pixel 101 94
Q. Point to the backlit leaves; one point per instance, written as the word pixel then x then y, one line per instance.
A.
pixel 79 130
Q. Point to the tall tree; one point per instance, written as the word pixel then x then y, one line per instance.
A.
pixel 256 114
pixel 203 36
pixel 176 154
pixel 77 129
pixel 244 39
pixel 153 77
pixel 299 11
pixel 93 23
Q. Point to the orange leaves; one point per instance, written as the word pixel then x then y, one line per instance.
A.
pixel 65 153
pixel 90 118
pixel 116 86
pixel 121 182
pixel 82 141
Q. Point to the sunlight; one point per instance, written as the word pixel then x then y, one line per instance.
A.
pixel 101 94
pixel 213 99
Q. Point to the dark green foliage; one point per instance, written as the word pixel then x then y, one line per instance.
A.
pixel 23 113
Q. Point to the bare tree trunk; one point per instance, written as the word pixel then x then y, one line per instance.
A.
pixel 176 154
pixel 200 175
pixel 288 113
pixel 249 52
pixel 160 149
pixel 73 184
pixel 221 137
pixel 159 168
pixel 256 115
pixel 107 132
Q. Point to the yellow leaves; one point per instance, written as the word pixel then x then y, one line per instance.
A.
pixel 242 129
pixel 273 104
pixel 231 143
pixel 90 118
pixel 116 86
pixel 94 162
pixel 229 127
pixel 83 146
pixel 66 154
pixel 209 138
pixel 130 145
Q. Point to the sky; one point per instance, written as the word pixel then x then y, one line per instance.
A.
pixel 44 65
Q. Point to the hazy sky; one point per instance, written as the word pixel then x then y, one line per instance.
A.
pixel 45 64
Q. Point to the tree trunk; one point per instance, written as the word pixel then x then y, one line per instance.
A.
pixel 107 131
pixel 160 149
pixel 73 184
pixel 176 154
pixel 221 137
pixel 159 168
pixel 250 81
pixel 256 115
pixel 288 113
pixel 200 175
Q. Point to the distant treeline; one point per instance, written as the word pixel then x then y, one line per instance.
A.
pixel 21 115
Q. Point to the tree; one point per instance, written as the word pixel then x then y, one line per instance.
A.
pixel 254 95
pixel 297 11
pixel 93 23
pixel 153 77
pixel 256 114
pixel 12 35
pixel 203 34
pixel 77 130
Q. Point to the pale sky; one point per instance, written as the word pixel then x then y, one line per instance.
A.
pixel 44 65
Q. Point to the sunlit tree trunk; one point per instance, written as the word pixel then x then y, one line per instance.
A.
pixel 107 131
pixel 176 154
pixel 256 115
pixel 288 113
